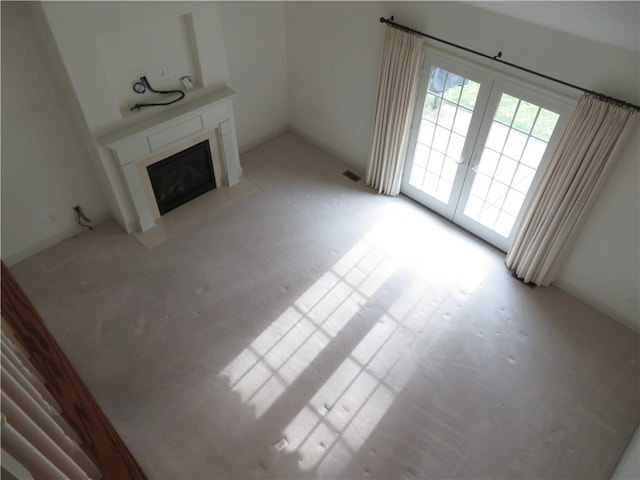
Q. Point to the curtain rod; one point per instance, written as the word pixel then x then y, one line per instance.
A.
pixel 496 58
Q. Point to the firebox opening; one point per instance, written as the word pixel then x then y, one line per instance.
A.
pixel 182 177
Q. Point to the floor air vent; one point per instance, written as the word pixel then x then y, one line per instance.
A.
pixel 351 176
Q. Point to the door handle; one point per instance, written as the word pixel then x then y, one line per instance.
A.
pixel 474 168
pixel 462 160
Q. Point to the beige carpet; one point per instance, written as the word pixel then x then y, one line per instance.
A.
pixel 362 336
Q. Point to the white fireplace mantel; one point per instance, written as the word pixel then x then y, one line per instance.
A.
pixel 151 136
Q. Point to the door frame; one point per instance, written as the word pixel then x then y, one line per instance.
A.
pixel 524 93
pixel 506 83
pixel 450 63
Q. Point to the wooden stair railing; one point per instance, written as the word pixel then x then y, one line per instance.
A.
pixel 99 439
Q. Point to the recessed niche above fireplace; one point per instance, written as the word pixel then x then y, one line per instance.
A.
pixel 182 177
pixel 163 49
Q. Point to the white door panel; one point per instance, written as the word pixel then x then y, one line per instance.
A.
pixel 446 124
pixel 478 146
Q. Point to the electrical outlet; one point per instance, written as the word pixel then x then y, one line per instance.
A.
pixel 186 81
pixel 81 218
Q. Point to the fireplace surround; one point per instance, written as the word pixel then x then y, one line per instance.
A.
pixel 172 130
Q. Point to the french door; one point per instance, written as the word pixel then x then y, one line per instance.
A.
pixel 478 145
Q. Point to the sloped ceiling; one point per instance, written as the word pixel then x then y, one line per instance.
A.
pixel 612 23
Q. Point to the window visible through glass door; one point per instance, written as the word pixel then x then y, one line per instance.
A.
pixel 476 146
pixel 517 140
pixel 445 122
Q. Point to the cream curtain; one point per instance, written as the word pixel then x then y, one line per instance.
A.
pixel 595 136
pixel 397 87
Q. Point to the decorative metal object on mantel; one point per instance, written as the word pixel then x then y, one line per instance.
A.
pixel 142 85
pixel 390 21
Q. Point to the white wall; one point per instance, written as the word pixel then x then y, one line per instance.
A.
pixel 611 22
pixel 604 265
pixel 219 44
pixel 255 43
pixel 45 165
pixel 333 55
pixel 81 30
pixel 78 46
pixel 628 467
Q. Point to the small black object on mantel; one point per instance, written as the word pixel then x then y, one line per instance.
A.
pixel 143 85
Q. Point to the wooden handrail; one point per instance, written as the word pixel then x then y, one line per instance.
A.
pixel 99 439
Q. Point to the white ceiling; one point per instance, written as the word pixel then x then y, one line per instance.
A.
pixel 613 23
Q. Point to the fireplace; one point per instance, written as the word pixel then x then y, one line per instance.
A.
pixel 139 144
pixel 182 177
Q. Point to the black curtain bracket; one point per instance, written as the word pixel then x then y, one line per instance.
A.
pixel 497 58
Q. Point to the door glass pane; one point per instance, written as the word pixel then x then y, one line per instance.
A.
pixel 446 115
pixel 515 145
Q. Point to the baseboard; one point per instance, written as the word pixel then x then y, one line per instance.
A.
pixel 130 227
pixel 38 247
pixel 133 226
pixel 263 138
pixel 629 464
pixel 627 321
pixel 327 148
